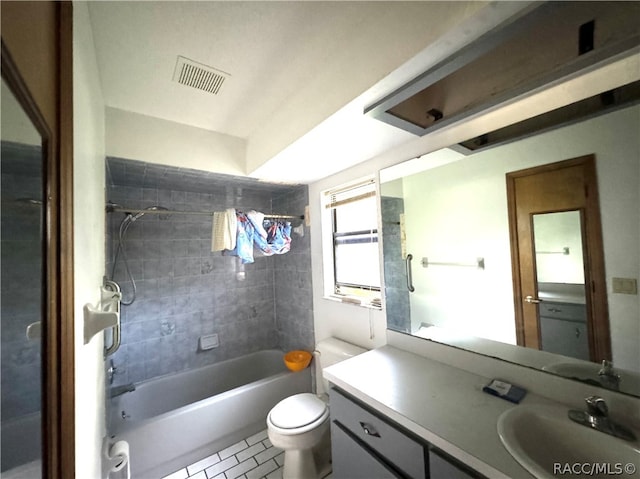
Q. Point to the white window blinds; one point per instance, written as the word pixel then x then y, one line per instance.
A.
pixel 355 239
pixel 351 193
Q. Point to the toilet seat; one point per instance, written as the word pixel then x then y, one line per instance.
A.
pixel 298 414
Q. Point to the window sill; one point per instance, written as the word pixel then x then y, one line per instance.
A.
pixel 354 301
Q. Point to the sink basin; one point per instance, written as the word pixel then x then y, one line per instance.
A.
pixel 543 440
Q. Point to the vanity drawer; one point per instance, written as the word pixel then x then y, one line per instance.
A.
pixel 402 451
pixel 568 311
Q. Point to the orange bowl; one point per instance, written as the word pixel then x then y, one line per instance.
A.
pixel 297 360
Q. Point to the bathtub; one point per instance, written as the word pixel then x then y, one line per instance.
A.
pixel 173 421
pixel 21 442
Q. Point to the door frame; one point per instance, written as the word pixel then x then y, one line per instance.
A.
pixel 595 279
pixel 39 73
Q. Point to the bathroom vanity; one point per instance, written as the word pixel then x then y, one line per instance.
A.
pixel 431 419
pixel 396 413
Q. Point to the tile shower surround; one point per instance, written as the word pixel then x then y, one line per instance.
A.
pixel 396 293
pixel 184 290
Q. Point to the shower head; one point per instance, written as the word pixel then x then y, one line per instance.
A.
pixel 124 227
pixel 111 206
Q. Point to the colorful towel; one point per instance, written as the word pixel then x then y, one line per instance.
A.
pixel 252 234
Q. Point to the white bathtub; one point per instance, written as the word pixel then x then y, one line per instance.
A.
pixel 175 420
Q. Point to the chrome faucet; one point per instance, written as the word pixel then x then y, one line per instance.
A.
pixel 597 417
pixel 608 377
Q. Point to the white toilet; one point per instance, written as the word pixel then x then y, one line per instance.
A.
pixel 299 424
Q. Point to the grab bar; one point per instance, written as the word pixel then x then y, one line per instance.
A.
pixel 115 339
pixel 407 264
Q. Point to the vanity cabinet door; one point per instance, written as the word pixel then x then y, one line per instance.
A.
pixel 563 329
pixel 569 338
pixel 352 461
pixel 441 468
pixel 402 452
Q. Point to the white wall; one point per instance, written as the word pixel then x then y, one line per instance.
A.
pixel 89 234
pixel 452 214
pixel 392 189
pixel 145 138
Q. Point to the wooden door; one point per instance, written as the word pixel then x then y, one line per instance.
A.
pixel 569 185
pixel 37 67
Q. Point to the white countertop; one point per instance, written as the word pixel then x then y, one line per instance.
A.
pixel 442 404
pixel 562 292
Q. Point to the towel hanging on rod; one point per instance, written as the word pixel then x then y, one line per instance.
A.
pixel 565 251
pixel 478 264
pixel 224 229
pixel 275 239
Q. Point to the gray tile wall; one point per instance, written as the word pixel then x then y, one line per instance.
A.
pixel 21 272
pixel 293 293
pixel 186 291
pixel 396 293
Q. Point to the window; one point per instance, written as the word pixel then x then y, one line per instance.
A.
pixel 356 262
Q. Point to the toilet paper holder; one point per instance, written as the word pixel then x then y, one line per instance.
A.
pixel 105 316
pixel 116 458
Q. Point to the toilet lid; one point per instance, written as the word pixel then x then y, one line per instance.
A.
pixel 297 411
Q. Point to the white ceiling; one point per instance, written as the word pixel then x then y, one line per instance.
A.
pixel 293 65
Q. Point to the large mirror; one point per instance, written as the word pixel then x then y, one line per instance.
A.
pixel 450 260
pixel 22 291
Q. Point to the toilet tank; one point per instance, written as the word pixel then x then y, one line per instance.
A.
pixel 331 351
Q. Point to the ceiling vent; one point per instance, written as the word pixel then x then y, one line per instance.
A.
pixel 198 76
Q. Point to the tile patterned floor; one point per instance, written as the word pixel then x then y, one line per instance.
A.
pixel 251 458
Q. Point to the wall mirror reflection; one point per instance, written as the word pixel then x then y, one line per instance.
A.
pixel 21 303
pixel 449 211
pixel 560 298
pixel 561 283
